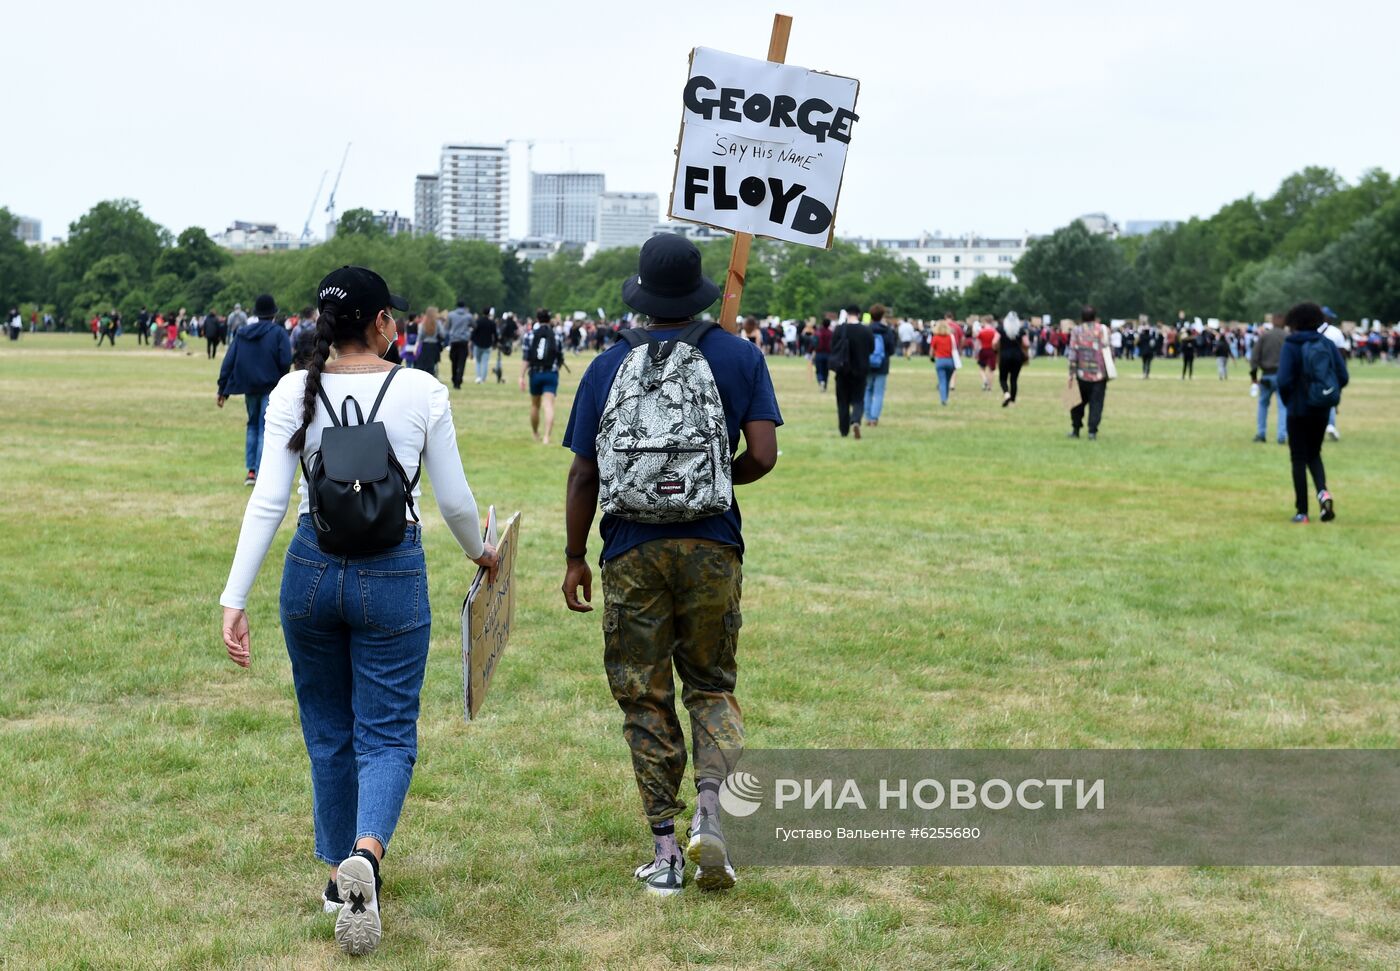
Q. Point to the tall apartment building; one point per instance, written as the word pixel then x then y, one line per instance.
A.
pixel 953 263
pixel 626 218
pixel 427 204
pixel 564 205
pixel 474 193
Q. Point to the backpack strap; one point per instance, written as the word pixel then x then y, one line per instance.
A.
pixel 636 337
pixel 330 408
pixel 693 334
pixel 382 389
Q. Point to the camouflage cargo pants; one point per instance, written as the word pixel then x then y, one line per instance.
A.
pixel 674 601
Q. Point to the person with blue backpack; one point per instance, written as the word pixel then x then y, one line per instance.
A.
pixel 1311 376
pixel 879 372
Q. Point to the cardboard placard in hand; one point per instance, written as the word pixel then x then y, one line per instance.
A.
pixel 487 615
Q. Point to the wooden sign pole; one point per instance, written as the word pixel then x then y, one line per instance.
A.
pixel 739 255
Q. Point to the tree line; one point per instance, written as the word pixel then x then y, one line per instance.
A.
pixel 1316 238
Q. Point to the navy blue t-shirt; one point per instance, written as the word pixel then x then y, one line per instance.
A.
pixel 745 390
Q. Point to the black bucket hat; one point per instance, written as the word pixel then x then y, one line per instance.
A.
pixel 669 282
pixel 356 293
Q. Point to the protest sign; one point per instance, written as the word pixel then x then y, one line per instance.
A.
pixel 762 147
pixel 487 615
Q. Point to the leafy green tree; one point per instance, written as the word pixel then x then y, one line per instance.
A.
pixel 193 253
pixel 359 222
pixel 1073 267
pixel 110 228
pixel 20 266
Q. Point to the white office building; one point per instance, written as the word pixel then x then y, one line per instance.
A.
pixel 691 231
pixel 564 205
pixel 474 193
pixel 626 218
pixel 392 222
pixel 1099 224
pixel 427 204
pixel 953 263
pixel 249 237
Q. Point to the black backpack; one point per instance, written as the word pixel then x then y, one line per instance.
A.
pixel 545 353
pixel 355 485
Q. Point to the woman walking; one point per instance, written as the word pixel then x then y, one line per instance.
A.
pixel 1013 349
pixel 941 350
pixel 987 337
pixel 357 623
pixel 428 346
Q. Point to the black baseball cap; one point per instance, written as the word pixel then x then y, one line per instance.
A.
pixel 669 282
pixel 356 293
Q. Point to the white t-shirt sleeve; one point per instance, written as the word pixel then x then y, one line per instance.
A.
pixel 443 464
pixel 268 504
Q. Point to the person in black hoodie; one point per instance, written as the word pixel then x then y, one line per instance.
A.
pixel 851 347
pixel 1307 422
pixel 259 353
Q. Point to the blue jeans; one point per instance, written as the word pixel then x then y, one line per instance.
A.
pixel 1268 387
pixel 253 439
pixel 944 366
pixel 357 632
pixel 482 355
pixel 1331 414
pixel 874 395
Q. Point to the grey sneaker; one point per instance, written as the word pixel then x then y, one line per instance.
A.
pixel 707 851
pixel 357 927
pixel 662 877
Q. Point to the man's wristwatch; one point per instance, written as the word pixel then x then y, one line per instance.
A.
pixel 575 556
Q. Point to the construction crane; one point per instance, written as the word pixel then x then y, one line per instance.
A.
pixel 330 203
pixel 306 229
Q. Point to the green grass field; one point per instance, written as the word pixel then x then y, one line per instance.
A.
pixel 963 577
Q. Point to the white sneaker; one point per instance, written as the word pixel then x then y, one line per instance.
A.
pixel 1332 430
pixel 357 928
pixel 330 899
pixel 662 878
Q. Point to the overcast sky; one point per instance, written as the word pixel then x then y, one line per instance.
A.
pixel 996 117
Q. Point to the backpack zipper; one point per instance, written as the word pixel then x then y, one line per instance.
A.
pixel 666 451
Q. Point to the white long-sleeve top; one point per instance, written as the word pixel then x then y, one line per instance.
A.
pixel 417 416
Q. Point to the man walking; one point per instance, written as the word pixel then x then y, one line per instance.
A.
pixel 851 347
pixel 143 327
pixel 541 355
pixel 459 333
pixel 671 584
pixel 235 322
pixel 1311 376
pixel 259 353
pixel 1089 367
pixel 483 339
pixel 882 342
pixel 1263 365
pixel 507 330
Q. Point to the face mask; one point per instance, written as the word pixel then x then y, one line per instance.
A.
pixel 388 342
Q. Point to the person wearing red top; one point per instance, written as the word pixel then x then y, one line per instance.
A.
pixel 821 352
pixel 987 353
pixel 941 349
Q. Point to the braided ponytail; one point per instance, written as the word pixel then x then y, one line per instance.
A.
pixel 325 335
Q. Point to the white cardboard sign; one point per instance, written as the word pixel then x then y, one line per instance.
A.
pixel 762 147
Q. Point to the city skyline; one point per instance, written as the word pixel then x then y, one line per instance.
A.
pixel 1000 125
